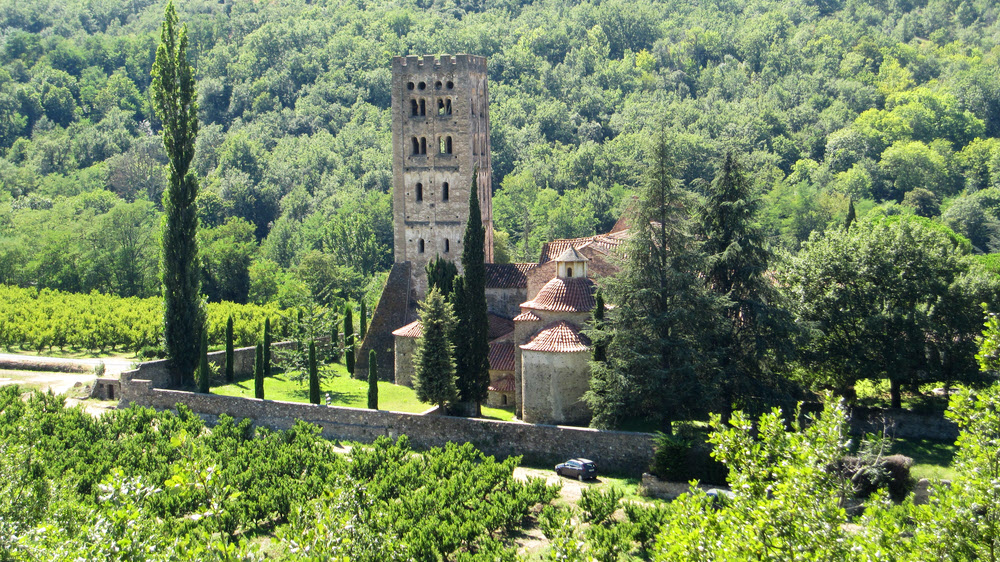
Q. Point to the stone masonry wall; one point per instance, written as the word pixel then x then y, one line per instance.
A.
pixel 392 311
pixel 160 372
pixel 613 451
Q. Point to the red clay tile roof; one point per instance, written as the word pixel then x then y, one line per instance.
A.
pixel 499 326
pixel 559 337
pixel 575 294
pixel 502 356
pixel 503 384
pixel 602 242
pixel 507 275
pixel 411 330
pixel 527 316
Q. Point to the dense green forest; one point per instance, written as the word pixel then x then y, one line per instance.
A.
pixel 894 102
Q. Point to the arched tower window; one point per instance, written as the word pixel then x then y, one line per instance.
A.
pixel 444 145
pixel 420 192
pixel 423 145
pixel 420 246
pixel 444 191
pixel 415 145
pixel 569 272
pixel 413 108
pixel 447 246
pixel 423 106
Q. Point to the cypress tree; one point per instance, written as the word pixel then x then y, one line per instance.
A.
pixel 267 347
pixel 372 380
pixel 175 103
pixel 335 342
pixel 598 336
pixel 204 373
pixel 363 320
pixel 349 339
pixel 441 273
pixel 434 379
pixel 472 331
pixel 313 375
pixel 851 214
pixel 230 353
pixel 258 373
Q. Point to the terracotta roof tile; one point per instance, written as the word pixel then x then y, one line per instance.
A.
pixel 527 316
pixel 575 294
pixel 411 330
pixel 602 242
pixel 503 384
pixel 499 326
pixel 502 356
pixel 507 275
pixel 559 337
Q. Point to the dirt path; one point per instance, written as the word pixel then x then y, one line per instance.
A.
pixel 112 365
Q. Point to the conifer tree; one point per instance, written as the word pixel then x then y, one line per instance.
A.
pixel 372 380
pixel 313 375
pixel 441 273
pixel 267 346
pixel 759 330
pixel 851 214
pixel 598 336
pixel 434 379
pixel 258 373
pixel 204 373
pixel 659 366
pixel 472 332
pixel 349 339
pixel 364 320
pixel 230 352
pixel 175 103
pixel 335 348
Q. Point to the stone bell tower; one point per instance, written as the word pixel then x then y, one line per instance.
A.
pixel 440 138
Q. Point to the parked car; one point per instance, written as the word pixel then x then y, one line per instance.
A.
pixel 580 468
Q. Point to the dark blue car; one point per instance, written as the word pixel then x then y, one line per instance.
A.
pixel 579 468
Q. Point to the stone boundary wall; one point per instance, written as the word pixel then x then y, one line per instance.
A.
pixel 903 424
pixel 613 451
pixel 159 372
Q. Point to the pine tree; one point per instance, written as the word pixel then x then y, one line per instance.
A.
pixel 204 372
pixel 472 333
pixel 230 352
pixel 175 103
pixel 258 373
pixel 434 379
pixel 659 367
pixel 349 339
pixel 851 214
pixel 364 321
pixel 267 346
pixel 598 336
pixel 372 380
pixel 738 259
pixel 441 273
pixel 313 375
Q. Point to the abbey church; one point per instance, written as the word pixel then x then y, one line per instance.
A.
pixel 440 140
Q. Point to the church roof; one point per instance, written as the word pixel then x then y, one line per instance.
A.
pixel 508 275
pixel 559 337
pixel 527 316
pixel 502 384
pixel 604 243
pixel 502 356
pixel 571 255
pixel 575 294
pixel 411 330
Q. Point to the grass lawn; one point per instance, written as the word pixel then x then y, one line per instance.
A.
pixel 931 459
pixel 343 390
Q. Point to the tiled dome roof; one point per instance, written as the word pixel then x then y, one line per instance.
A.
pixel 564 295
pixel 559 337
pixel 527 316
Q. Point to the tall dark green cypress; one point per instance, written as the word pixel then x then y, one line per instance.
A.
pixel 230 352
pixel 349 339
pixel 335 349
pixel 472 345
pixel 372 380
pixel 363 320
pixel 258 373
pixel 851 215
pixel 267 347
pixel 441 273
pixel 175 103
pixel 313 375
pixel 434 359
pixel 598 336
pixel 204 373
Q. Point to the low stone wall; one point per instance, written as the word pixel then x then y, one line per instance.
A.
pixel 161 372
pixel 653 487
pixel 614 451
pixel 903 424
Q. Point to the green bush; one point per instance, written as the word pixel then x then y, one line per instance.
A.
pixel 598 505
pixel 682 458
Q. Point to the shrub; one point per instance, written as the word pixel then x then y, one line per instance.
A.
pixel 599 505
pixel 868 476
pixel 680 458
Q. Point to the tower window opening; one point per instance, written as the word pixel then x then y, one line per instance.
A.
pixel 423 145
pixel 413 108
pixel 447 247
pixel 444 145
pixel 420 245
pixel 421 86
pixel 569 272
pixel 472 106
pixel 444 191
pixel 450 84
pixel 444 106
pixel 423 107
pixel 420 192
pixel 415 145
pixel 409 86
pixel 437 85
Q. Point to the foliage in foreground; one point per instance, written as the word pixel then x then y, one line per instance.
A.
pixel 142 485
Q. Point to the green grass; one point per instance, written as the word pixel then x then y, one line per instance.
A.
pixel 931 459
pixel 344 391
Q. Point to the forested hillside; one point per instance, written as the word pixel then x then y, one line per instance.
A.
pixel 823 100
